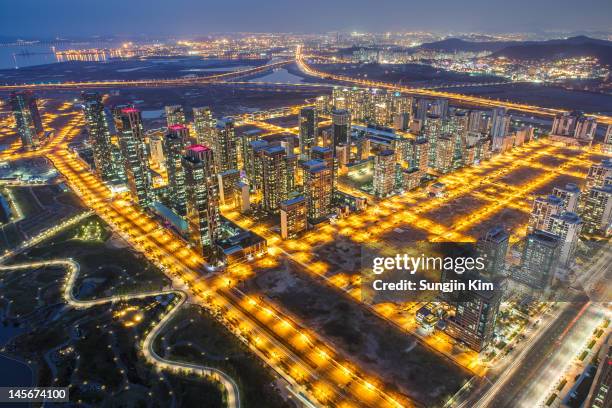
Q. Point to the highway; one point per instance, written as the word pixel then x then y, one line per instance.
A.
pixel 293 351
pixel 161 82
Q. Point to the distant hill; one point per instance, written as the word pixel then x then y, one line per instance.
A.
pixel 457 45
pixel 580 46
pixel 553 49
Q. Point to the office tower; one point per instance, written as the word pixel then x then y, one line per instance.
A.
pixel 493 246
pixel 500 125
pixel 607 144
pixel 322 104
pixel 475 318
pixel 225 146
pixel 156 147
pixel 570 195
pixel 585 129
pixel 341 125
pixel 308 130
pixel 202 197
pixel 597 210
pixel 175 115
pixel 117 115
pixel 99 136
pixel 542 209
pixel 566 226
pixel 180 131
pixel 228 186
pixel 174 148
pixel 204 125
pixel 598 173
pixel 539 260
pixel 318 189
pixel 275 173
pixel 600 393
pixel 27 119
pixel 293 217
pixel 133 150
pixel 384 173
pixel 253 164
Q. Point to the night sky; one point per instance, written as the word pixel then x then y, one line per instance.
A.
pixel 48 18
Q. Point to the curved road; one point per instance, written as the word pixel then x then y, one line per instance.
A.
pixel 72 268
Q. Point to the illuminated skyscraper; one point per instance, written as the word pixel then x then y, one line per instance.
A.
pixel 99 136
pixel 276 177
pixel 174 148
pixel 293 217
pixel 181 131
pixel 341 127
pixel 539 260
pixel 202 197
pixel 27 119
pixel 204 125
pixel 225 146
pixel 175 115
pixel 318 189
pixel 384 173
pixel 244 145
pixel 326 155
pixel 493 246
pixel 475 317
pixel 133 151
pixel 253 164
pixel 597 210
pixel 500 125
pixel 308 130
pixel 566 226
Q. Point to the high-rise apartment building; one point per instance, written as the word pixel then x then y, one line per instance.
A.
pixel 293 217
pixel 174 148
pixel 570 195
pixel 597 210
pixel 202 198
pixel 99 136
pixel 384 173
pixel 175 115
pixel 225 146
pixel 566 226
pixel 500 125
pixel 539 260
pixel 276 176
pixel 341 127
pixel 308 130
pixel 134 155
pixel 598 173
pixel 27 119
pixel 318 189
pixel 542 209
pixel 493 247
pixel 204 125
